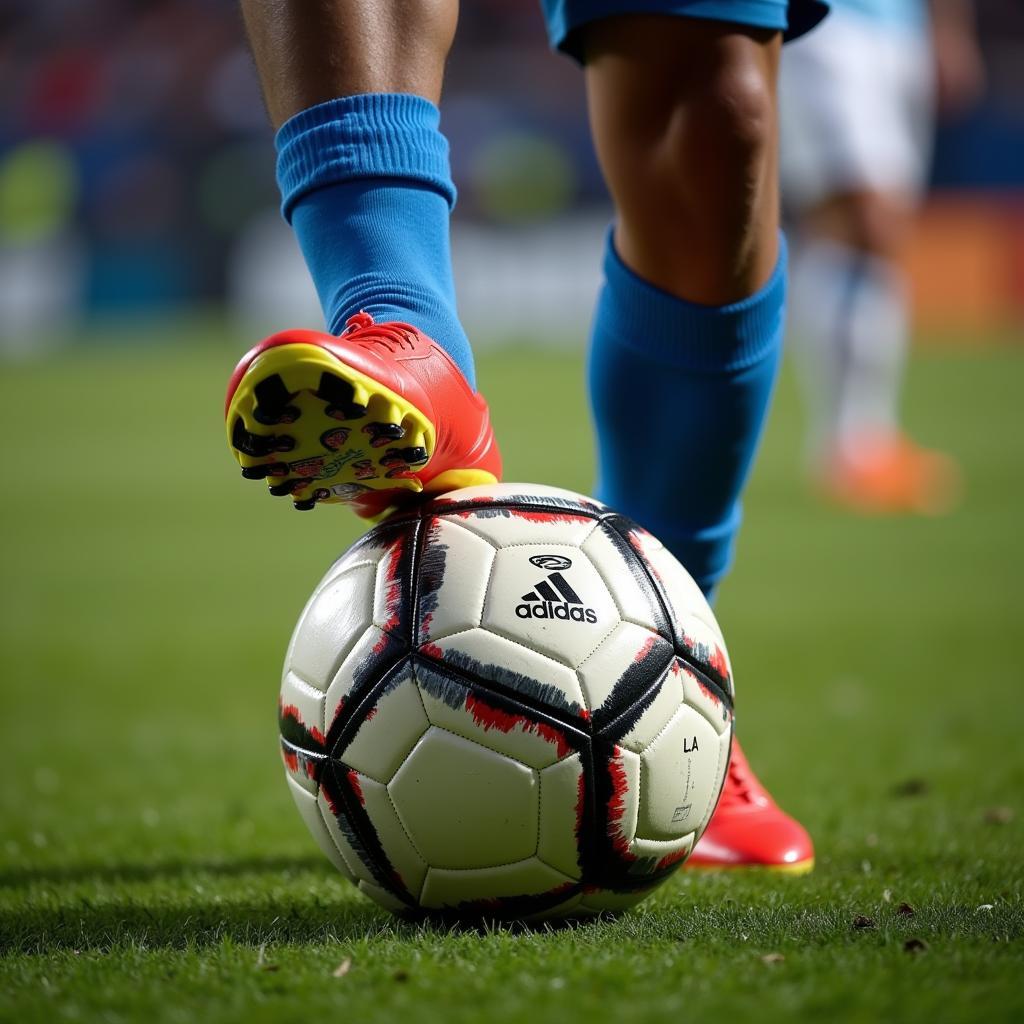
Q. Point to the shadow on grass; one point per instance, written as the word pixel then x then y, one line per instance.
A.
pixel 65 874
pixel 83 926
pixel 82 921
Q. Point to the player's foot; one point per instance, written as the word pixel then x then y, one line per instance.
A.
pixel 749 830
pixel 370 418
pixel 890 475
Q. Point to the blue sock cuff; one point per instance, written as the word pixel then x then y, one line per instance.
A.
pixel 708 339
pixel 375 135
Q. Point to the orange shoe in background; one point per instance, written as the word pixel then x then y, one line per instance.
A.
pixel 370 418
pixel 890 475
pixel 750 830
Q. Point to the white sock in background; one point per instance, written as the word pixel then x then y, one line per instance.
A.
pixel 849 325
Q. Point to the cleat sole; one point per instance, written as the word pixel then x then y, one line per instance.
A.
pixel 346 433
pixel 801 867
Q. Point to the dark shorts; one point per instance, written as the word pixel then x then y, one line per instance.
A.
pixel 792 17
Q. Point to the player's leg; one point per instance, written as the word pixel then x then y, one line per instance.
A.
pixel 388 407
pixel 687 335
pixel 856 114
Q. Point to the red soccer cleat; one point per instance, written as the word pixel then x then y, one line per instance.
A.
pixel 370 418
pixel 749 830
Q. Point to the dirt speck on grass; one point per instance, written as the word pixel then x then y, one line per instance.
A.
pixel 998 816
pixel 862 922
pixel 914 786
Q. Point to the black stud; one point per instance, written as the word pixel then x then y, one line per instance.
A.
pixel 340 398
pixel 272 399
pixel 404 456
pixel 305 506
pixel 249 443
pixel 280 490
pixel 383 433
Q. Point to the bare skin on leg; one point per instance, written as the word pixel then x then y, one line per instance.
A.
pixel 311 51
pixel 683 113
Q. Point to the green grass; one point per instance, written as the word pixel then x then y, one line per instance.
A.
pixel 152 866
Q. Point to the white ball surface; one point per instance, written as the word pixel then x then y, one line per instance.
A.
pixel 511 701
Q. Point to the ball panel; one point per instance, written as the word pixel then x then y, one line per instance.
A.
pixel 478 653
pixel 682 769
pixel 525 494
pixel 549 598
pixel 702 649
pixel 562 795
pixel 306 802
pixel 334 818
pixel 370 657
pixel 631 588
pixel 455 568
pixel 648 718
pixel 403 856
pixel 626 666
pixel 389 729
pixel 496 888
pixel 507 525
pixel 664 853
pixel 465 806
pixel 624 799
pixel 382 897
pixel 707 701
pixel 331 624
pixel 492 720
pixel 300 715
pixel 685 597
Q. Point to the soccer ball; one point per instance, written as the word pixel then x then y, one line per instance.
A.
pixel 510 701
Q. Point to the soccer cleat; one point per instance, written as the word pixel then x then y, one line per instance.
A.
pixel 890 475
pixel 749 830
pixel 370 418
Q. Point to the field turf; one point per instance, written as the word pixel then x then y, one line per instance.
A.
pixel 153 868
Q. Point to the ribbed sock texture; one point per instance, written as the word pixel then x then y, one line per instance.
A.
pixel 365 183
pixel 679 394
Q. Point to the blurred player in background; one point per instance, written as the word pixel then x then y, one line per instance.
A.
pixel 858 101
pixel 687 334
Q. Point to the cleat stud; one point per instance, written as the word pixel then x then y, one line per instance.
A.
pixel 288 487
pixel 383 433
pixel 272 399
pixel 255 472
pixel 284 443
pixel 340 397
pixel 248 443
pixel 305 506
pixel 400 457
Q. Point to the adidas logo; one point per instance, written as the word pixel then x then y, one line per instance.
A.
pixel 553 597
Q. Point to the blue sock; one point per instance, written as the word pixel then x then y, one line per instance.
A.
pixel 366 184
pixel 689 385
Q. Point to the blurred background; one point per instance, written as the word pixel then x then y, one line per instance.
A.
pixel 136 179
pixel 147 593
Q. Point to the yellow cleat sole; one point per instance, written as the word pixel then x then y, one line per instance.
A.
pixel 803 867
pixel 318 430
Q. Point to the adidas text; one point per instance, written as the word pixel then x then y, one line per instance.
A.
pixel 553 610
